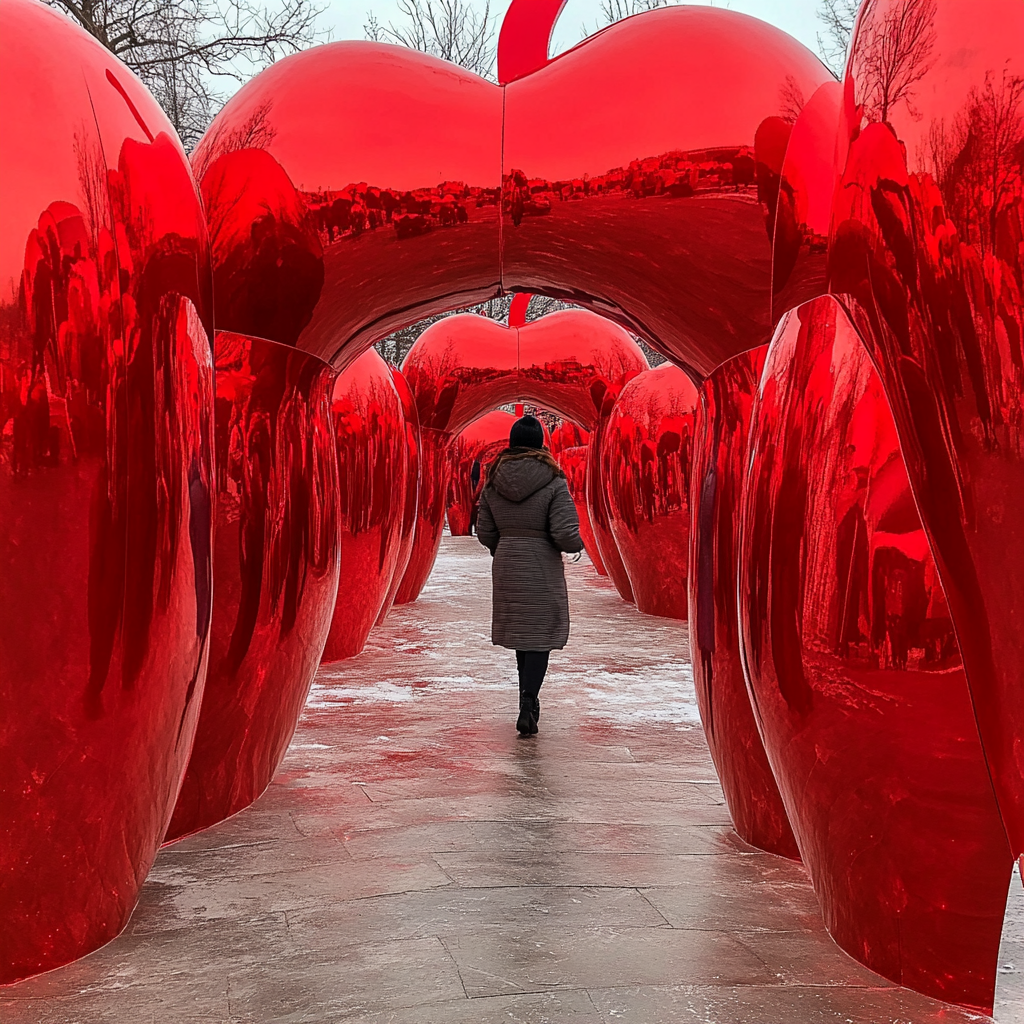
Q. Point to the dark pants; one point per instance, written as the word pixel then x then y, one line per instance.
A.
pixel 532 665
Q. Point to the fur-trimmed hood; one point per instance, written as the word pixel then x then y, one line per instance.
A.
pixel 516 473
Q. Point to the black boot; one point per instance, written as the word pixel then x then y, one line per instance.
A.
pixel 527 723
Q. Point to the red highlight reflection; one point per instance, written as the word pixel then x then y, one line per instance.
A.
pixel 856 675
pixel 275 570
pixel 106 384
pixel 369 429
pixel 647 457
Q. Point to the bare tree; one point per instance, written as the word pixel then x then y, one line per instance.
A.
pixel 454 30
pixel 894 54
pixel 838 17
pixel 976 159
pixel 395 347
pixel 179 48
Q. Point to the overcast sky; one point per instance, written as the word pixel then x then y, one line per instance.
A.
pixel 345 18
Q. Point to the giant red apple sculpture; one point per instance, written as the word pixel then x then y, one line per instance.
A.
pixel 275 571
pixel 648 204
pixel 645 469
pixel 106 486
pixel 856 673
pixel 716 489
pixel 570 361
pixel 369 431
pixel 473 450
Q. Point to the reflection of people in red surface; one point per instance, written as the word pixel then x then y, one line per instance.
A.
pixel 527 518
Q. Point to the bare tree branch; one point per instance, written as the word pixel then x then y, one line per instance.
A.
pixel 180 47
pixel 894 52
pixel 454 30
pixel 838 17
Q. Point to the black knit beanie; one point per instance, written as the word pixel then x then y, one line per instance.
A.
pixel 526 432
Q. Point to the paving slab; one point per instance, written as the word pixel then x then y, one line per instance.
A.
pixel 416 862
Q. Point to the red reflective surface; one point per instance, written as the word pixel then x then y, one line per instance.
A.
pixel 567 435
pixel 571 362
pixel 652 201
pixel 472 450
pixel 435 474
pixel 369 429
pixel 106 472
pixel 275 571
pixel 856 675
pixel 390 195
pixel 716 480
pixel 411 420
pixel 648 454
pixel 663 172
pixel 574 463
pixel 597 502
pixel 926 255
pixel 804 208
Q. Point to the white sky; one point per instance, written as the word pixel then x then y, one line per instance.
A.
pixel 345 18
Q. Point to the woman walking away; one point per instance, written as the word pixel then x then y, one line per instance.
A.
pixel 527 518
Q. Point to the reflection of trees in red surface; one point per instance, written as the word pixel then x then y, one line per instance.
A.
pixel 255 132
pixel 894 54
pixel 106 366
pixel 791 99
pixel 976 161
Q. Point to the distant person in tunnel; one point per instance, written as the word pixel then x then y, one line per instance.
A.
pixel 526 519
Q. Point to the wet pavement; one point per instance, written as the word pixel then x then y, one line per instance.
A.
pixel 416 862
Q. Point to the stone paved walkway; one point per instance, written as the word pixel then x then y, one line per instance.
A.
pixel 415 862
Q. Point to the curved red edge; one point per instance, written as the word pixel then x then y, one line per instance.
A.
pixel 525 36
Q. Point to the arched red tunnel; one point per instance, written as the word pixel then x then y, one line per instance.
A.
pixel 834 271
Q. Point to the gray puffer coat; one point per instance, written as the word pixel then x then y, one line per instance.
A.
pixel 527 519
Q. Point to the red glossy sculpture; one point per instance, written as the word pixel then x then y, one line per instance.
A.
pixel 925 253
pixel 654 204
pixel 435 461
pixel 856 677
pixel 525 37
pixel 369 429
pixel 571 362
pixel 647 456
pixel 275 571
pixel 105 486
pixel 567 435
pixel 411 419
pixel 647 205
pixel 716 482
pixel 472 450
pixel 569 446
pixel 574 463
